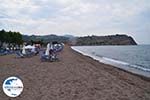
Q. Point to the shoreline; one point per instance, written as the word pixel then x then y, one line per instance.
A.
pixel 73 77
pixel 111 65
pixel 133 69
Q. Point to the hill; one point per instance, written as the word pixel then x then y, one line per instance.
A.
pixel 106 40
pixel 86 40
pixel 45 38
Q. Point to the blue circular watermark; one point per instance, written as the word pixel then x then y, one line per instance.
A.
pixel 12 86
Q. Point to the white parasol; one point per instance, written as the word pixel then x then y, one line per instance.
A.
pixel 23 50
pixel 29 47
pixel 47 49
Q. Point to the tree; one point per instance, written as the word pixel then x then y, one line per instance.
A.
pixel 11 38
pixel 2 37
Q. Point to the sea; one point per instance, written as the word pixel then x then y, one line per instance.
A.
pixel 135 59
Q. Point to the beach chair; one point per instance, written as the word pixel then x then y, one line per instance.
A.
pixel 48 58
pixel 43 57
pixel 52 55
pixel 19 55
pixel 55 51
pixel 4 52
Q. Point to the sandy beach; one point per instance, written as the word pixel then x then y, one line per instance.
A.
pixel 74 77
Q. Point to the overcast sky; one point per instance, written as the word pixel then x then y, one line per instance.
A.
pixel 77 17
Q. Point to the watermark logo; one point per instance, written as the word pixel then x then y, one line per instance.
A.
pixel 12 86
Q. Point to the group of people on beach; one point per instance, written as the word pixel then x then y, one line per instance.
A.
pixel 50 54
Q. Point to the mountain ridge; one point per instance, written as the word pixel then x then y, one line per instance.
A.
pixel 118 39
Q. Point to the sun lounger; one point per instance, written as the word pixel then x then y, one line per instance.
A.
pixel 50 58
pixel 5 52
pixel 19 55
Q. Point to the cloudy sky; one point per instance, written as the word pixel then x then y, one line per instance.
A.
pixel 77 17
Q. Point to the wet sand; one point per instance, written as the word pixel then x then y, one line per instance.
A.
pixel 74 77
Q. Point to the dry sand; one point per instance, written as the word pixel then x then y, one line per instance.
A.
pixel 74 77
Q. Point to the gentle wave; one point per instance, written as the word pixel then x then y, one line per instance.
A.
pixel 136 69
pixel 127 64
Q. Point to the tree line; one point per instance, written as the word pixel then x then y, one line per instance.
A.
pixel 10 38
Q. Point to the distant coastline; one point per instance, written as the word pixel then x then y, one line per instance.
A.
pixel 117 39
pixel 16 38
pixel 106 40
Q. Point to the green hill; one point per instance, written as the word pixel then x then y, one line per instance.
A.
pixel 106 40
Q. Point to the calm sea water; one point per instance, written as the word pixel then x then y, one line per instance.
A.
pixel 132 58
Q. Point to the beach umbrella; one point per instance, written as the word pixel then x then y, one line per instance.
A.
pixel 47 49
pixel 29 47
pixel 23 50
pixel 51 47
